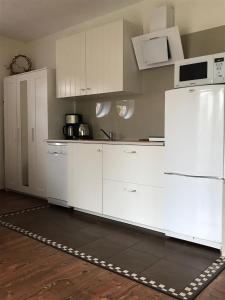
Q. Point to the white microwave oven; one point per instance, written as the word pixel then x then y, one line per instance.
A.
pixel 200 70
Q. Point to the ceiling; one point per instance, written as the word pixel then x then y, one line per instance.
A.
pixel 31 19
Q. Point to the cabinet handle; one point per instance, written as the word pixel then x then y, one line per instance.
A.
pixel 130 152
pixel 32 134
pixel 99 150
pixel 88 89
pixel 130 190
pixel 18 135
pixel 82 90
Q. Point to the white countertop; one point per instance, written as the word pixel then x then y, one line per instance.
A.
pixel 120 142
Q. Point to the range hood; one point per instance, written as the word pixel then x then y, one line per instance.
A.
pixel 163 45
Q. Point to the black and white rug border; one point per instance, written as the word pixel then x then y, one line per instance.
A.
pixel 189 292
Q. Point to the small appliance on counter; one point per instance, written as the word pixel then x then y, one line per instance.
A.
pixel 83 131
pixel 71 129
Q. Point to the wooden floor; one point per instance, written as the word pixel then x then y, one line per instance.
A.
pixel 32 270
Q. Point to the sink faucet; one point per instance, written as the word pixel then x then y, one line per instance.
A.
pixel 109 134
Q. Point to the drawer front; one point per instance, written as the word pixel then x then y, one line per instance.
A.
pixel 135 203
pixel 137 164
pixel 120 162
pixel 150 168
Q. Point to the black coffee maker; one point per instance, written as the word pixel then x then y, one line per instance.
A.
pixel 71 129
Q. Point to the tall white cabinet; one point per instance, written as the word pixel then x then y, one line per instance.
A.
pixel 32 114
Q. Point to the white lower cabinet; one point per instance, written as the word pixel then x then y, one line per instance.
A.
pixel 91 190
pixel 85 177
pixel 134 203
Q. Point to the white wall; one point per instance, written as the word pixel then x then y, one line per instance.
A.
pixel 8 49
pixel 190 16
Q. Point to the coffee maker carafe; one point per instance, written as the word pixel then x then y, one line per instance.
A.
pixel 71 129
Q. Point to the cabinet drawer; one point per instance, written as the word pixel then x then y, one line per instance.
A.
pixel 137 164
pixel 135 203
pixel 120 162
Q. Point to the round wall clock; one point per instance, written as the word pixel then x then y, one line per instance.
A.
pixel 20 64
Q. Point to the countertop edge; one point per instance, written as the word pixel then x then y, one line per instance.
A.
pixel 106 142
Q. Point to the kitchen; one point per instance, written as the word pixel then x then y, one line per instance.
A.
pixel 115 181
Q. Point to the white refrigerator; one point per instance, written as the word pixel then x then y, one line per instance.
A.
pixel 194 171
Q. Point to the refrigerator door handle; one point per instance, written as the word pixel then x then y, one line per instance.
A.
pixel 193 176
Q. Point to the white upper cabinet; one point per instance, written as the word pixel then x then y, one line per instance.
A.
pixel 70 62
pixel 101 60
pixel 104 58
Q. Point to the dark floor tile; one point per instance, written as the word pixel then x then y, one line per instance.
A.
pixel 103 248
pixel 127 238
pixel 172 275
pixel 59 219
pixel 191 256
pixel 72 240
pixel 11 202
pixel 206 252
pixel 158 246
pixel 97 230
pixel 133 260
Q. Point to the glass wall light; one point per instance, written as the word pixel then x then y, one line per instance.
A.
pixel 125 108
pixel 103 109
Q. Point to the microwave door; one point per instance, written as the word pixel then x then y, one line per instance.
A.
pixel 194 71
pixel 191 72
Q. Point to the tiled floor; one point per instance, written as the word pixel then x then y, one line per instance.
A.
pixel 10 201
pixel 171 262
pixel 165 263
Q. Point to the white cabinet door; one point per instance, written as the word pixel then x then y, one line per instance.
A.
pixel 139 204
pixel 132 163
pixel 194 207
pixel 194 131
pixel 85 179
pixel 25 117
pixel 104 58
pixel 39 131
pixel 70 66
pixel 57 172
pixel 11 133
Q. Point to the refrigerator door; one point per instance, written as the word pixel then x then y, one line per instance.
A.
pixel 194 131
pixel 194 208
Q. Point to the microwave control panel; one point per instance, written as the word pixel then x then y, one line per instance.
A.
pixel 219 70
